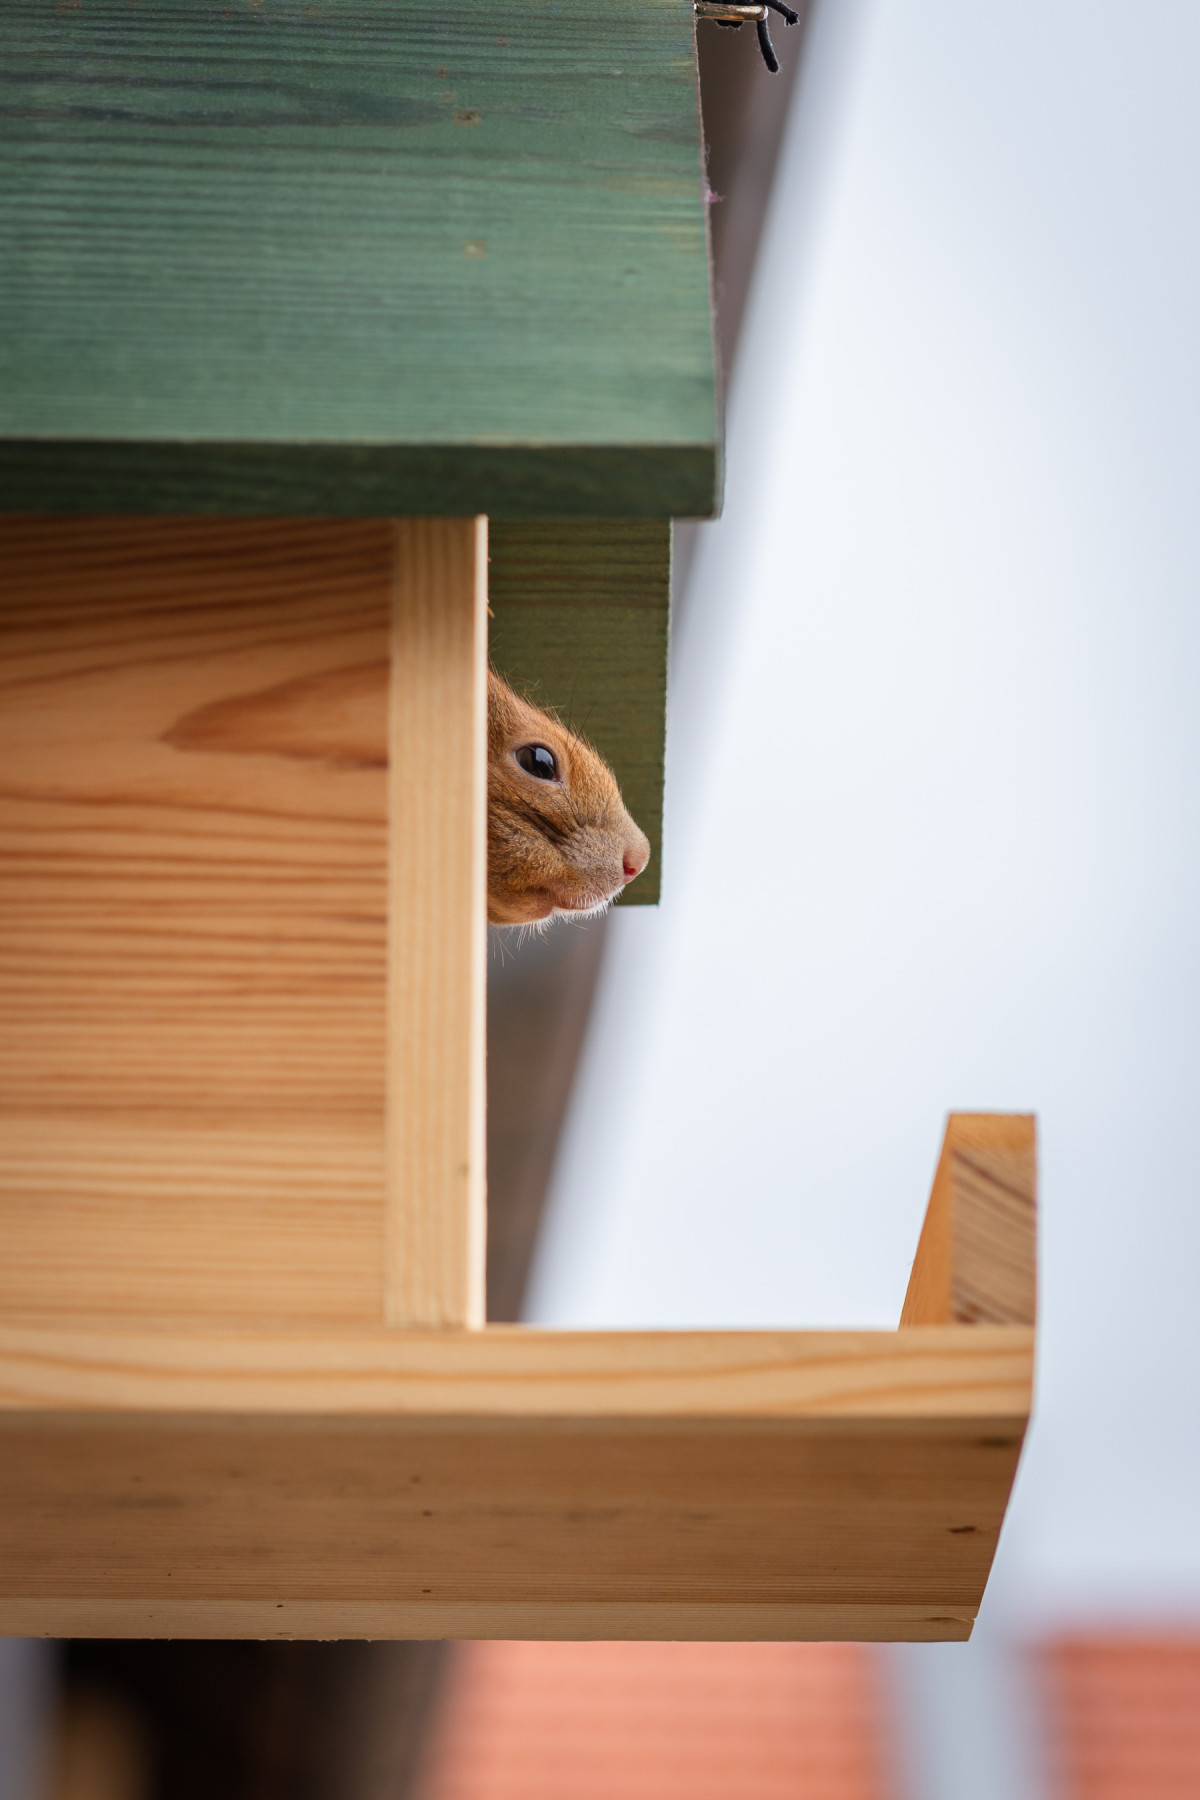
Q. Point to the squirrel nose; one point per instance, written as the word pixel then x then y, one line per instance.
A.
pixel 635 858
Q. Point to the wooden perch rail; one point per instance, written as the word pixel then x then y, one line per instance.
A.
pixel 241 1096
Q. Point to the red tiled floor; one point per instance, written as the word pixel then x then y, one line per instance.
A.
pixel 658 1722
pixel 1125 1713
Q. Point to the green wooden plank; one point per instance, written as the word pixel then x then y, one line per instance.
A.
pixel 354 256
pixel 257 480
pixel 580 623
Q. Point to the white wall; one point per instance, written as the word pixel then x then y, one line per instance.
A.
pixel 934 785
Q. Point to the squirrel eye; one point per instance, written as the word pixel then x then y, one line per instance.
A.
pixel 535 759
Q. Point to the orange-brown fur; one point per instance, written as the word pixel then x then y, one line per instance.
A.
pixel 554 846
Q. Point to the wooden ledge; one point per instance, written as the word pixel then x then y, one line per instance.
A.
pixel 506 1483
pixel 521 1483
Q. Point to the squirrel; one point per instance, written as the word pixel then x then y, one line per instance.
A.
pixel 560 842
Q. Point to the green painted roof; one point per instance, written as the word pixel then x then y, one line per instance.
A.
pixel 354 256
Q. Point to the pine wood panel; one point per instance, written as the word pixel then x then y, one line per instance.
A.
pixel 353 259
pixel 976 1261
pixel 506 1483
pixel 438 924
pixel 194 733
pixel 193 824
pixel 581 623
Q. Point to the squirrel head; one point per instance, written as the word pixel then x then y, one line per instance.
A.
pixel 560 841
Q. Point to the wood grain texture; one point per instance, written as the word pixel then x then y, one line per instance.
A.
pixel 977 1257
pixel 506 1482
pixel 193 743
pixel 354 258
pixel 193 917
pixel 922 1373
pixel 437 934
pixel 581 624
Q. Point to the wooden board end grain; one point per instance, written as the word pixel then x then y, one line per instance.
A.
pixel 976 1261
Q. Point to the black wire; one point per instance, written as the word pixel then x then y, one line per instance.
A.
pixel 764 37
pixel 767 47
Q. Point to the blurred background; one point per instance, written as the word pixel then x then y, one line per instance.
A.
pixel 932 843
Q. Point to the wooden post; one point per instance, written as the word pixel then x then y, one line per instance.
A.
pixel 437 928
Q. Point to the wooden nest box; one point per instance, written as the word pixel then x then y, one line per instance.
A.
pixel 306 310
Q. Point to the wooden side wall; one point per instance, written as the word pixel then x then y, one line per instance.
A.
pixel 193 917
